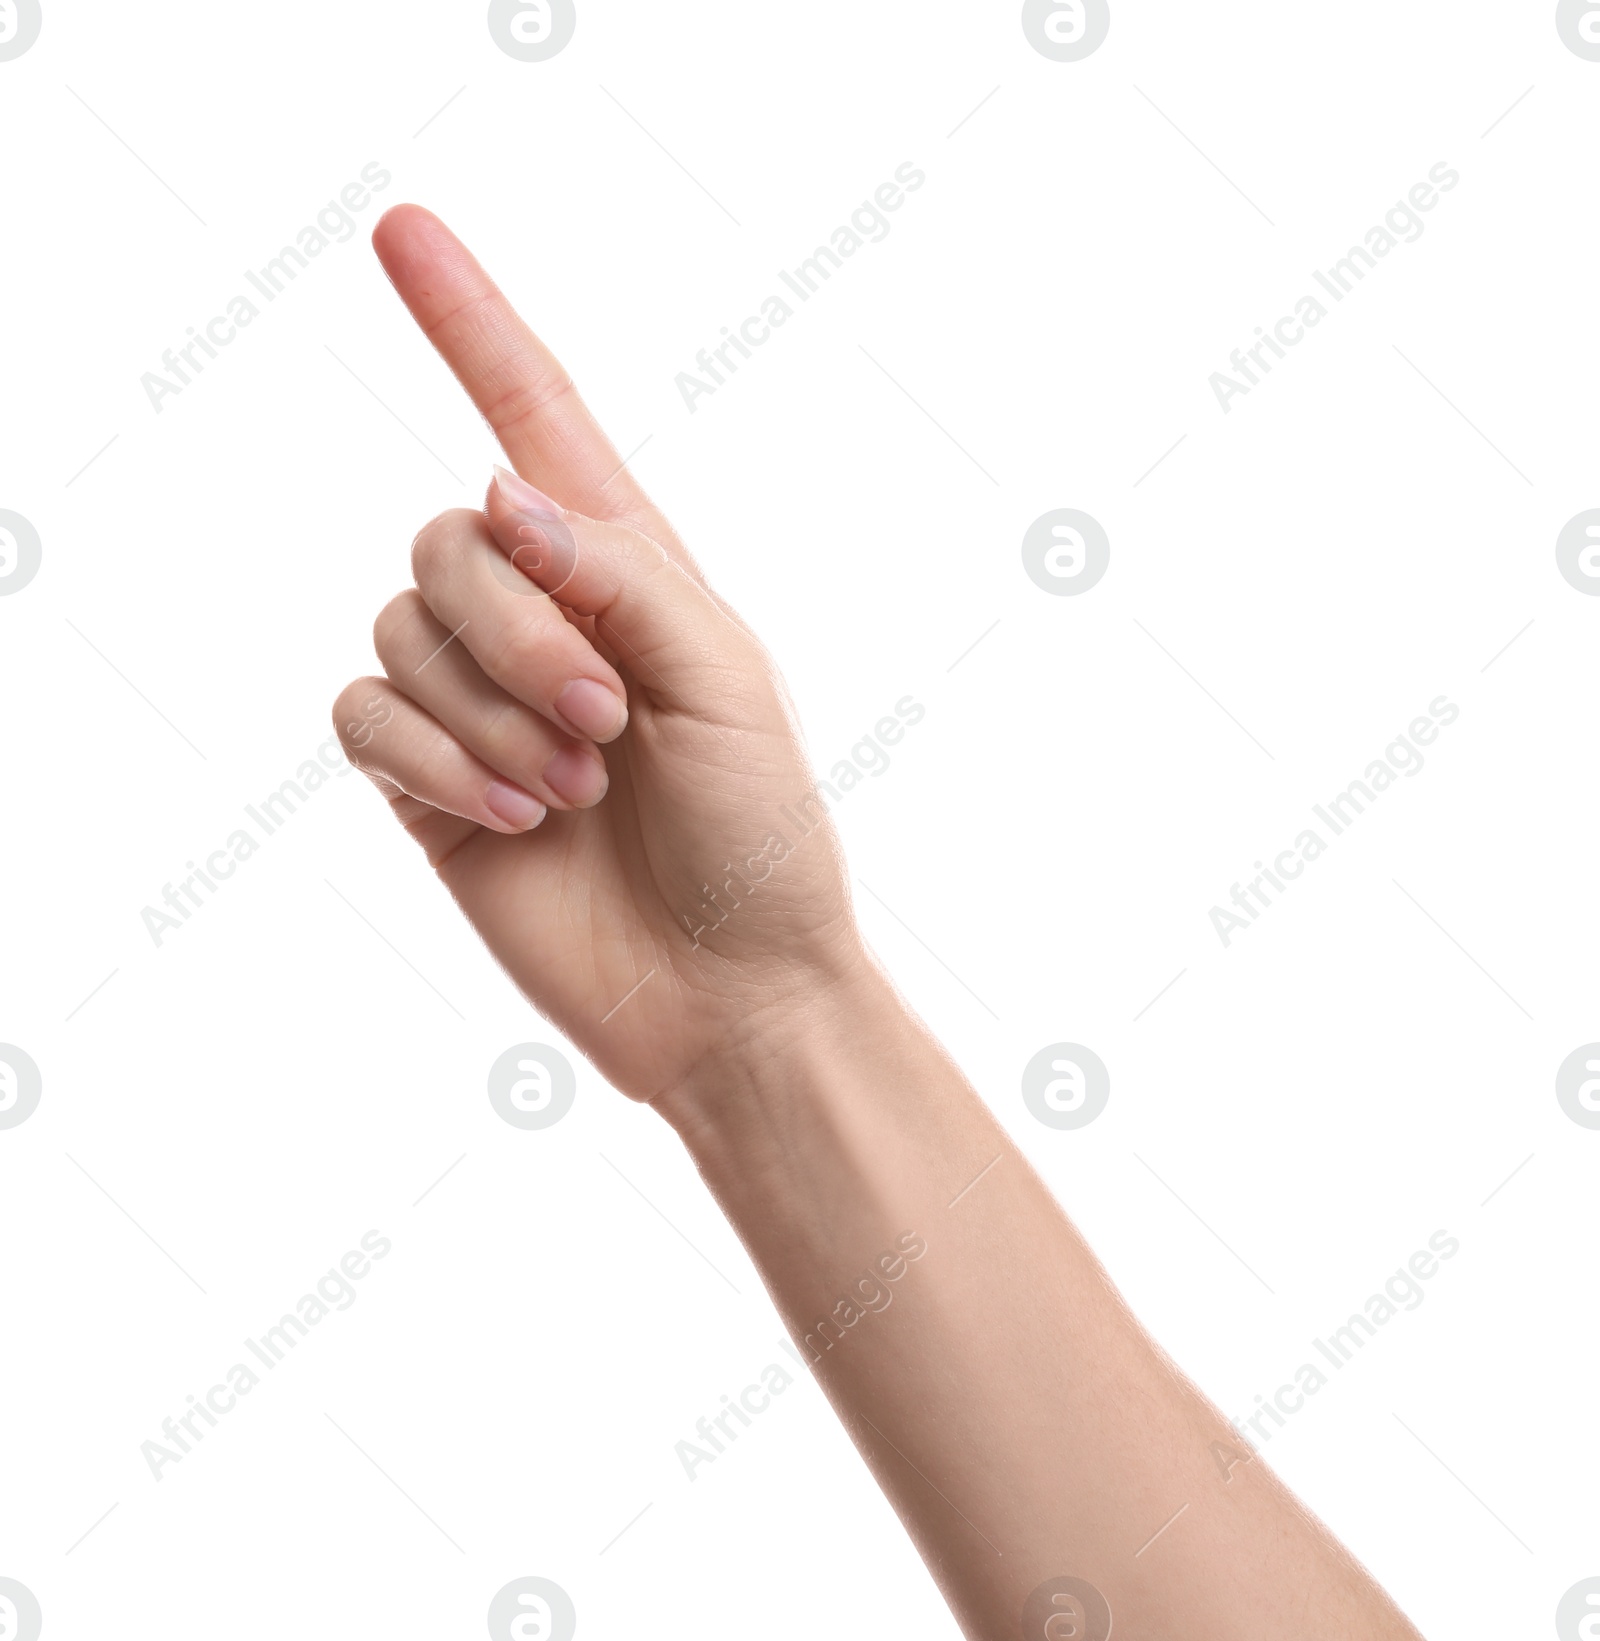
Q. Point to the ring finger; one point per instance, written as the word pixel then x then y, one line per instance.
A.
pixel 389 737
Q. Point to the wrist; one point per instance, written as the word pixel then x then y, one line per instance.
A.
pixel 830 1124
pixel 787 1053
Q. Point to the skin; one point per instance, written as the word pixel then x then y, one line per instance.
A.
pixel 665 888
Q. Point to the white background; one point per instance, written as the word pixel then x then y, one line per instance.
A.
pixel 1340 549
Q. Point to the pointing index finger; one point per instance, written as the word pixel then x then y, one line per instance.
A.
pixel 520 387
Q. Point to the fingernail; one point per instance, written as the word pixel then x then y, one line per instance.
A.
pixel 592 709
pixel 577 775
pixel 521 497
pixel 514 806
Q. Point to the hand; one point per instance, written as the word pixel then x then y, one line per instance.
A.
pixel 688 867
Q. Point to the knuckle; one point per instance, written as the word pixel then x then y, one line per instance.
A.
pixel 516 655
pixel 401 612
pixel 362 708
pixel 438 763
pixel 440 542
pixel 644 549
pixel 503 735
pixel 341 712
pixel 526 399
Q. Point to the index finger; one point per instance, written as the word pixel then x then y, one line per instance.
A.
pixel 520 387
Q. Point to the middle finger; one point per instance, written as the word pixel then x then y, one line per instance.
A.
pixel 514 630
pixel 441 677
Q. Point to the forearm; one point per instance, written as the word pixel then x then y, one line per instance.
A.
pixel 1021 1422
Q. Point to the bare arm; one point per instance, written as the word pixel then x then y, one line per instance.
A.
pixel 1025 1427
pixel 599 761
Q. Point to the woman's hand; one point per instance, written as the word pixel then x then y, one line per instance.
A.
pixel 595 752
pixel 689 928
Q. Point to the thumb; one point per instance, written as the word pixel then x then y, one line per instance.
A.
pixel 675 636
